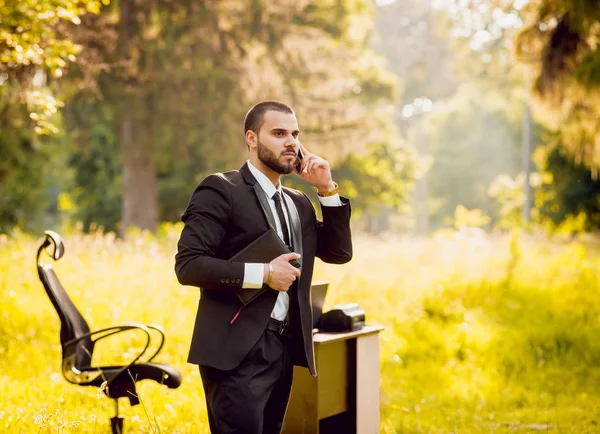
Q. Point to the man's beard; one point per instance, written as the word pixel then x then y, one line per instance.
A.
pixel 270 160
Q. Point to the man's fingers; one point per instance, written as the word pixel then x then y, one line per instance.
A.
pixel 311 163
pixel 289 256
pixel 306 161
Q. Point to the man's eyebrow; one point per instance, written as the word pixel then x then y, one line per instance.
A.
pixel 274 130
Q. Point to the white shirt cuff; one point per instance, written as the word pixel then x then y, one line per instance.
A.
pixel 331 200
pixel 253 275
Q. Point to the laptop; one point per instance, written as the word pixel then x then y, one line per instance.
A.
pixel 318 291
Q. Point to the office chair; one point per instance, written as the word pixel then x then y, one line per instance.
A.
pixel 78 344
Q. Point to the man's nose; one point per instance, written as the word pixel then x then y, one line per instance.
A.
pixel 292 142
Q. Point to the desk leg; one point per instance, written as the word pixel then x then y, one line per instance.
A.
pixel 367 384
pixel 302 412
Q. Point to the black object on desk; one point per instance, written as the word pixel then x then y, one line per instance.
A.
pixel 342 318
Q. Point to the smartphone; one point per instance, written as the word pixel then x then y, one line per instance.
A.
pixel 298 165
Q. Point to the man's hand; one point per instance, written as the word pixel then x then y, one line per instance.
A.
pixel 284 273
pixel 316 171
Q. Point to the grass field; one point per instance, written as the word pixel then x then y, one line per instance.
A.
pixel 485 334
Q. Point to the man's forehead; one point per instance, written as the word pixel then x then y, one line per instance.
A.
pixel 275 119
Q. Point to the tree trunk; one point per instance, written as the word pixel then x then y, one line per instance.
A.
pixel 383 223
pixel 140 189
pixel 140 207
pixel 527 163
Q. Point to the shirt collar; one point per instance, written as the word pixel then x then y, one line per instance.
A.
pixel 264 182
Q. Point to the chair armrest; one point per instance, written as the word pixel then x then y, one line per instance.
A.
pixel 162 339
pixel 109 331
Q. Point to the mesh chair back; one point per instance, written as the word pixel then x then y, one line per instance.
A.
pixel 73 325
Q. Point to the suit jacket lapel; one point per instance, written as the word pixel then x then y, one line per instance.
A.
pixel 264 205
pixel 261 196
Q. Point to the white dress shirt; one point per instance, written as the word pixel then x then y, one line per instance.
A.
pixel 254 273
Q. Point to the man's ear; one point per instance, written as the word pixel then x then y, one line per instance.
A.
pixel 251 139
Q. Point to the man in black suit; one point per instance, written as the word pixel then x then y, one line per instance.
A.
pixel 246 353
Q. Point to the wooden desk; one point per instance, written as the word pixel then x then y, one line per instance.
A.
pixel 344 397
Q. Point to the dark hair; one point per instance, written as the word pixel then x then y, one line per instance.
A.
pixel 255 118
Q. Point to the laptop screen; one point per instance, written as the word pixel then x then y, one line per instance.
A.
pixel 318 291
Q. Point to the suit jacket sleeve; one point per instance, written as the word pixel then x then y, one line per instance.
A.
pixel 206 219
pixel 334 241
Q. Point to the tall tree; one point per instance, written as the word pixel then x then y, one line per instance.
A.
pixel 165 58
pixel 183 74
pixel 139 167
pixel 560 39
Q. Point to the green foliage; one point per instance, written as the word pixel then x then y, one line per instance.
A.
pixel 96 187
pixel 383 175
pixel 472 141
pixel 180 76
pixel 507 192
pixel 35 49
pixel 560 40
pixel 31 33
pixel 34 44
pixel 573 191
pixel 472 134
pixel 415 42
pixel 557 42
pixel 28 166
pixel 466 218
pixel 186 75
pixel 21 177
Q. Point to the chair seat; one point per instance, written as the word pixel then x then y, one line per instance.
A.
pixel 123 385
pixel 166 375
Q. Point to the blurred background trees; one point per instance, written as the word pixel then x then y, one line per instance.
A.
pixel 154 94
pixel 111 112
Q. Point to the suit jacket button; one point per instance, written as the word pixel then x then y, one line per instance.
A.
pixel 226 280
pixel 222 280
pixel 237 281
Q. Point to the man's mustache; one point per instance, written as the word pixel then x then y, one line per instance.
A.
pixel 289 151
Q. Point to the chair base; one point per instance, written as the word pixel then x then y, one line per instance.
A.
pixel 116 424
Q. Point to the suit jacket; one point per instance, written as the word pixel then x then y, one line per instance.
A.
pixel 223 216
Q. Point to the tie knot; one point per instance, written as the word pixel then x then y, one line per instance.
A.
pixel 277 196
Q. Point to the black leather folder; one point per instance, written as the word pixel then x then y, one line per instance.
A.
pixel 264 249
